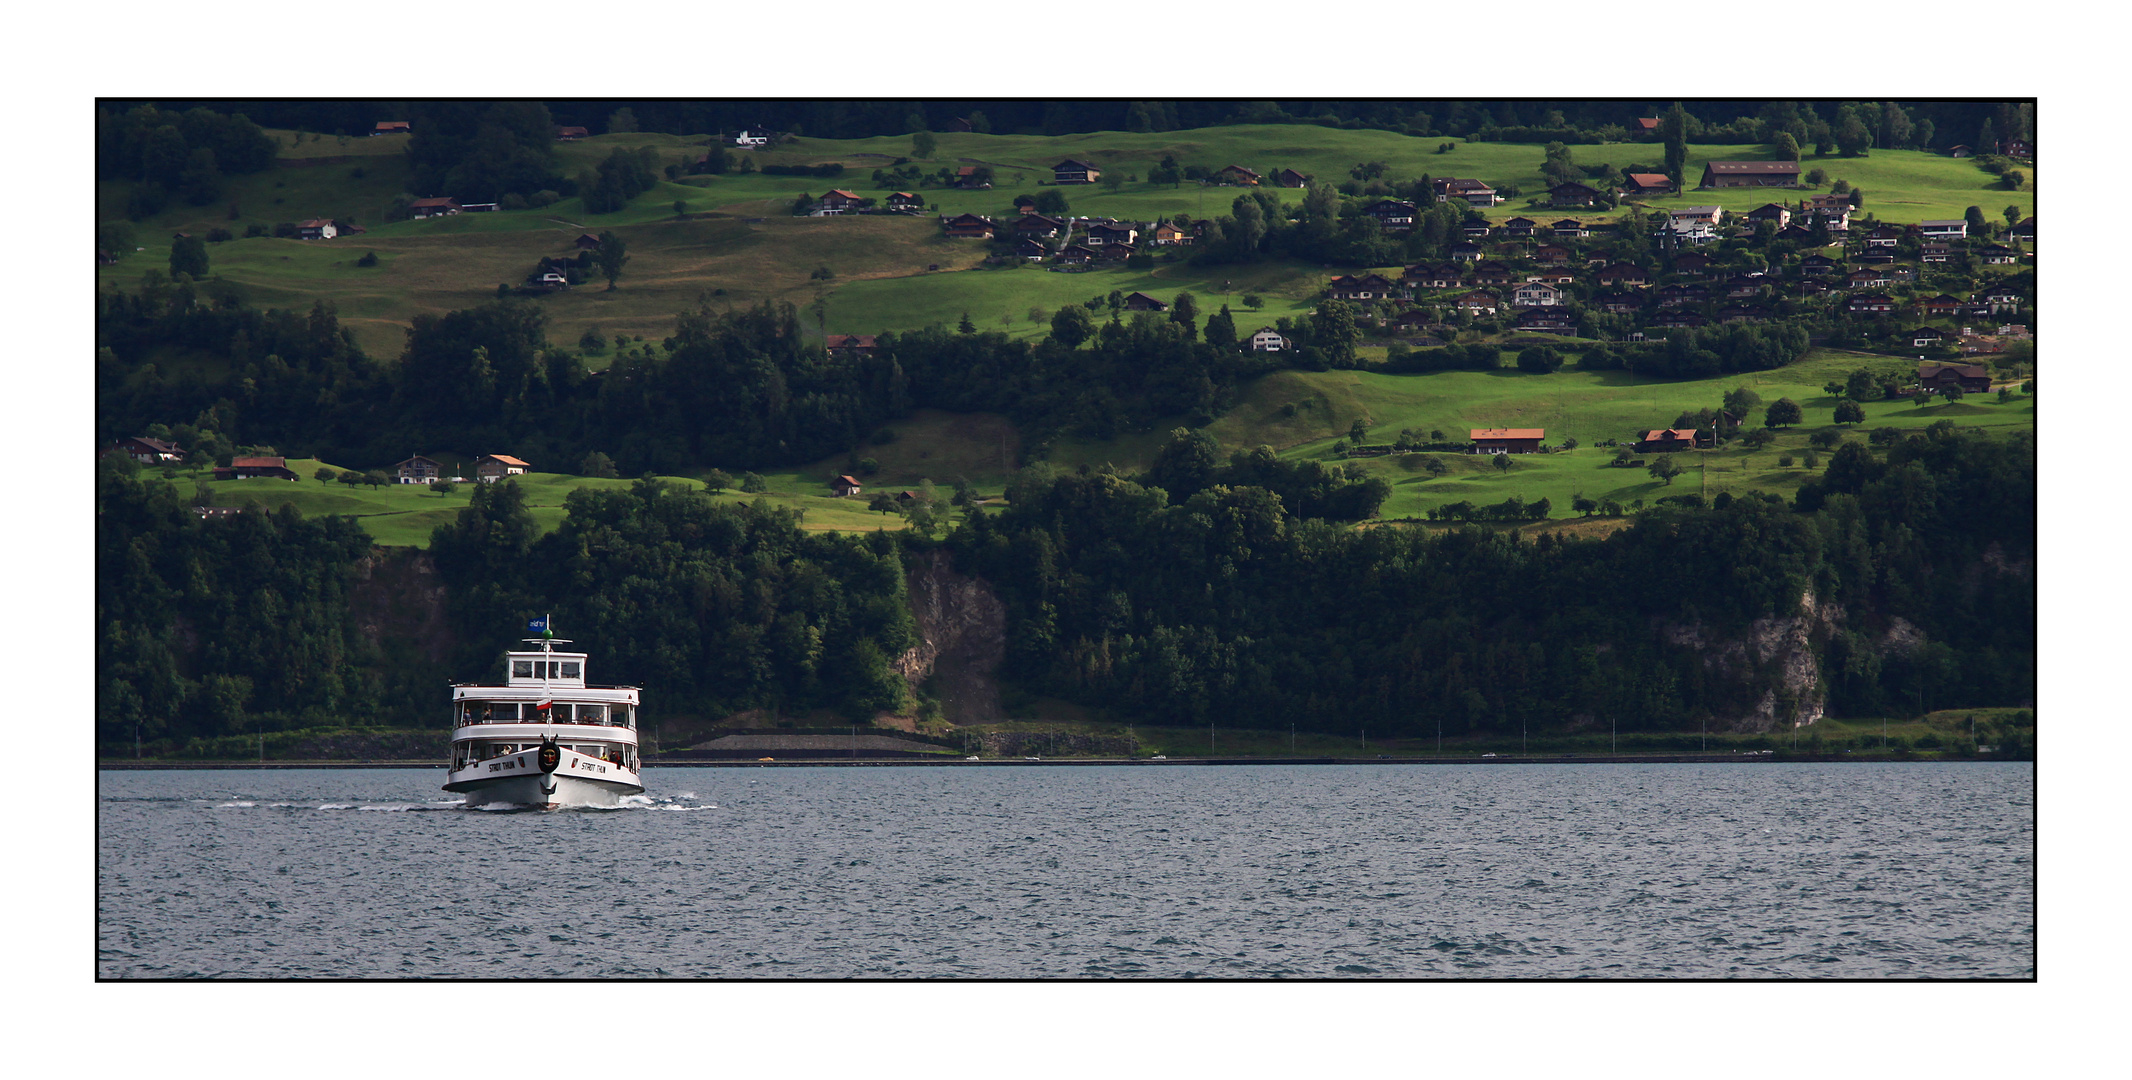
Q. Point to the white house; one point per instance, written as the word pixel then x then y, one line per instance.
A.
pixel 1536 294
pixel 1943 230
pixel 316 229
pixel 1267 340
pixel 752 138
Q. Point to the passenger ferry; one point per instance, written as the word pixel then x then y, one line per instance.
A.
pixel 545 737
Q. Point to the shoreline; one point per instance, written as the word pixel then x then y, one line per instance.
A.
pixel 124 765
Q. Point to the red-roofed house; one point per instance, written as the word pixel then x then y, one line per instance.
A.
pixel 392 127
pixel 247 468
pixel 149 451
pixel 490 468
pixel 844 487
pixel 1507 440
pixel 837 202
pixel 1668 439
pixel 424 208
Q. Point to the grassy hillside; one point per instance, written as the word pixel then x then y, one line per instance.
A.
pixel 737 243
pixel 404 515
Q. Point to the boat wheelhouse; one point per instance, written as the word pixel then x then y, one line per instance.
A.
pixel 545 736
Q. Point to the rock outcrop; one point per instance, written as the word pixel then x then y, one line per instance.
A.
pixel 1775 663
pixel 962 637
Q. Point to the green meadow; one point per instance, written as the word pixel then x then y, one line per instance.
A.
pixel 403 515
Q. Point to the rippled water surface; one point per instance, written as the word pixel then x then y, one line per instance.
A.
pixel 1612 871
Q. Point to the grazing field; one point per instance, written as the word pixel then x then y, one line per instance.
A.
pixel 405 514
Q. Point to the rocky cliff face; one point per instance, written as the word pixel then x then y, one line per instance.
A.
pixel 1779 657
pixel 962 637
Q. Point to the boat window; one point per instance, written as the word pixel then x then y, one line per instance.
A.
pixel 592 714
pixel 570 669
pixel 559 713
pixel 521 669
pixel 619 715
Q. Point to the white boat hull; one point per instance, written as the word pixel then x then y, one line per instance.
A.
pixel 517 779
pixel 547 792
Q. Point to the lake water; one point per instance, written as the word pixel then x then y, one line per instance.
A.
pixel 1866 871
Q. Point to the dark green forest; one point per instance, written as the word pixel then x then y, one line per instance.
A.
pixel 1217 601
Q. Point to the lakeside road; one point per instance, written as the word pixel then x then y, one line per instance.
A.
pixel 1713 758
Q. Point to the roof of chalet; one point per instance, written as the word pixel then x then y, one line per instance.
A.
pixel 1509 433
pixel 505 459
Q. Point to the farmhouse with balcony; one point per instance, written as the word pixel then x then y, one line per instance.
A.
pixel 1360 287
pixel 1621 273
pixel 428 208
pixel 1866 279
pixel 1038 225
pixel 1425 276
pixel 1471 192
pixel 905 202
pixel 1032 249
pixel 1168 235
pixel 1536 294
pixel 1111 232
pixel 1939 306
pixel 490 468
pixel 1668 440
pixel 1972 378
pixel 1070 171
pixel 968 227
pixel 1569 229
pixel 1475 303
pixel 838 201
pixel 1870 304
pixel 1507 440
pixel 1547 320
pixel 1924 337
pixel 1466 251
pixel 418 470
pixel 1392 214
pixel 1078 255
pixel 1943 229
pixel 1237 175
pixel 1718 174
pixel 1574 194
pixel 149 451
pixel 1775 212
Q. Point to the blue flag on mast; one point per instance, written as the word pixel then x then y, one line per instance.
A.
pixel 538 626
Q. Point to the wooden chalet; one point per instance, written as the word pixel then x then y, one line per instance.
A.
pixel 571 134
pixel 1998 255
pixel 1622 273
pixel 1237 175
pixel 968 227
pixel 1867 278
pixel 1818 266
pixel 1360 287
pixel 1070 171
pixel 1551 255
pixel 1392 213
pixel 1474 230
pixel 428 208
pixel 1470 192
pixel 149 451
pixel 1290 178
pixel 838 201
pixel 1519 227
pixel 317 229
pixel 1506 440
pixel 1569 229
pixel 1886 236
pixel 1110 232
pixel 1034 224
pixel 490 468
pixel 1743 287
pixel 1574 194
pixel 844 486
pixel 418 470
pixel 1168 235
pixel 1141 301
pixel 906 202
pixel 255 468
pixel 1492 273
pixel 1870 304
pixel 1971 378
pixel 1078 255
pixel 1547 320
pixel 1667 440
pixel 1647 184
pixel 586 242
pixel 392 127
pixel 1476 303
pixel 1771 212
pixel 1031 248
pixel 1942 305
pixel 1424 276
pixel 849 344
pixel 1618 303
pixel 1718 174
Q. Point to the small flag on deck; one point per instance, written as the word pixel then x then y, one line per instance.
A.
pixel 543 706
